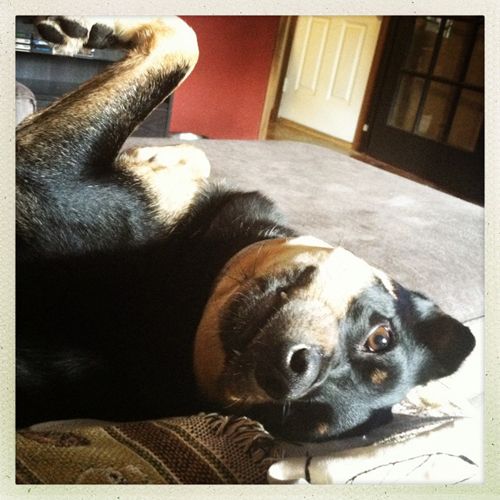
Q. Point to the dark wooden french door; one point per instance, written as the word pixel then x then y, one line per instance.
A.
pixel 428 112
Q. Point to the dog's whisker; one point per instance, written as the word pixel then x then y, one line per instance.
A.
pixel 286 408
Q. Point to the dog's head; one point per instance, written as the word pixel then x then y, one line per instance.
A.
pixel 313 341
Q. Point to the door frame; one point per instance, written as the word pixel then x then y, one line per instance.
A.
pixel 371 85
pixel 279 66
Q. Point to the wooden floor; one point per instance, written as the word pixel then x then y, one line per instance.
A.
pixel 285 130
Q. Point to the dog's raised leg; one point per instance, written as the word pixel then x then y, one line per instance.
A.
pixel 87 127
pixel 73 194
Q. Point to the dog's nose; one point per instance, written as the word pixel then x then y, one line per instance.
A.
pixel 287 370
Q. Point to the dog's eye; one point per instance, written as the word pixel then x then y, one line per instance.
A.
pixel 379 339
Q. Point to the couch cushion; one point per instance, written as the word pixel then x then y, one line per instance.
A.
pixel 427 240
pixel 25 102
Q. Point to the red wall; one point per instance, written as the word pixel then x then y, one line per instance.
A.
pixel 224 96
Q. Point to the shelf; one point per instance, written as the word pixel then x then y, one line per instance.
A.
pixel 98 55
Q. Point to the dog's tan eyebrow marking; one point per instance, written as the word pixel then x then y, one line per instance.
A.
pixel 378 376
pixel 322 428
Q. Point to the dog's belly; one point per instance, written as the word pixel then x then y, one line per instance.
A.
pixel 104 338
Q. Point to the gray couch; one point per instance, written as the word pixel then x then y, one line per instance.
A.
pixel 426 239
pixel 25 102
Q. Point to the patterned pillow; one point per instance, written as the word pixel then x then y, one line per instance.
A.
pixel 200 449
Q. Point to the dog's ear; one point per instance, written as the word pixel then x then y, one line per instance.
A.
pixel 447 341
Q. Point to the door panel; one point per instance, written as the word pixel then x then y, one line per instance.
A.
pixel 311 56
pixel 349 48
pixel 428 112
pixel 327 73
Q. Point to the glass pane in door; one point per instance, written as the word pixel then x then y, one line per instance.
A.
pixel 454 44
pixel 437 106
pixel 467 121
pixel 405 104
pixel 422 44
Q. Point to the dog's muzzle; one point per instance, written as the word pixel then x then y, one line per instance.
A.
pixel 285 354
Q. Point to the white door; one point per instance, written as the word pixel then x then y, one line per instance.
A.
pixel 327 73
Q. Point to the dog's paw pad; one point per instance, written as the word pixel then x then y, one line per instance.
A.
pixel 101 36
pixel 182 159
pixel 66 34
pixel 71 35
pixel 51 32
pixel 73 28
pixel 184 156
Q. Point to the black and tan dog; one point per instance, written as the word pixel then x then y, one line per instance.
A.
pixel 144 291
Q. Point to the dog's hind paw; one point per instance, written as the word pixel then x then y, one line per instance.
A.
pixel 71 35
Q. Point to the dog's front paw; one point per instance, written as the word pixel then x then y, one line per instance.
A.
pixel 171 175
pixel 185 159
